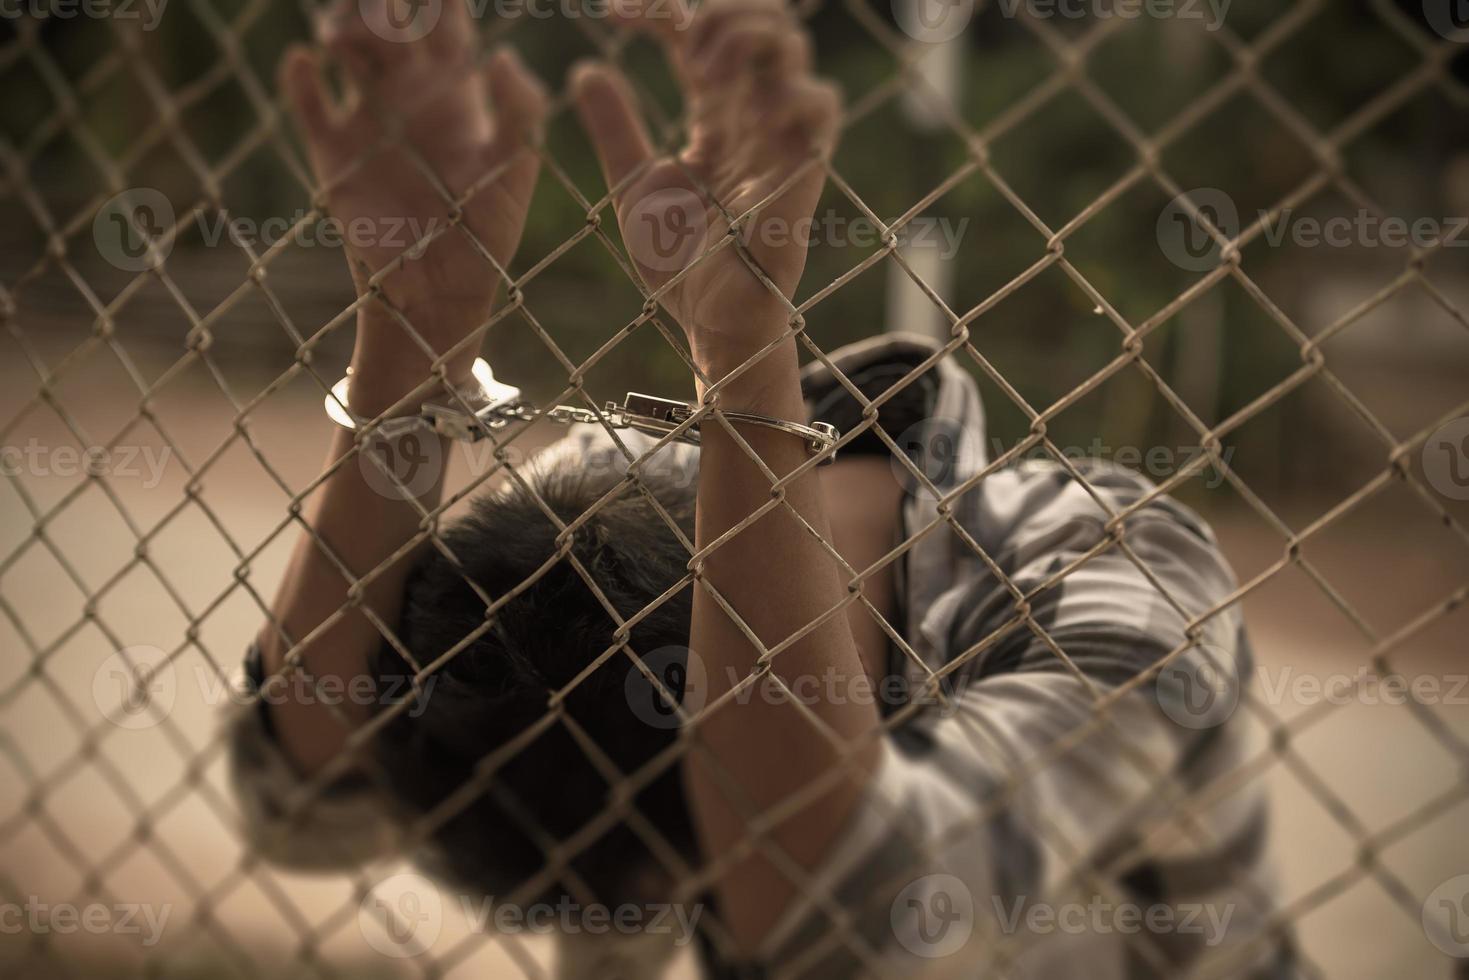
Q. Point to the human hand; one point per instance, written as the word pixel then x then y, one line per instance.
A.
pixel 759 123
pixel 471 128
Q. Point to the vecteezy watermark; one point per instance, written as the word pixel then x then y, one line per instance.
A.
pixel 943 450
pixel 646 10
pixel 1188 225
pixel 1187 241
pixel 402 21
pixel 402 917
pixel 1448 18
pixel 946 452
pixel 1200 688
pixel 1211 13
pixel 683 681
pixel 1446 459
pixel 38 918
pixel 1366 686
pixel 409 465
pixel 402 467
pixel 933 21
pixel 132 228
pixel 835 230
pixel 1363 229
pixel 37 459
pixel 665 229
pixel 147 12
pixel 137 688
pixel 1098 916
pixel 1200 685
pixel 387 232
pixel 933 916
pixel 1446 916
pixel 1157 462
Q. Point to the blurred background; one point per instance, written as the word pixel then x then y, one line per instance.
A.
pixel 1347 363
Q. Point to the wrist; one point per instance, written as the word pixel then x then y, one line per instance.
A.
pixel 378 387
pixel 763 385
pixel 383 374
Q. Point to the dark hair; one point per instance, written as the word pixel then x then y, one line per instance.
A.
pixel 497 687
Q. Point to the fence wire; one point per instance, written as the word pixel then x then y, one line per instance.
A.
pixel 312 930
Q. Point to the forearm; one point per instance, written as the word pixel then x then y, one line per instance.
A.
pixel 362 527
pixel 779 578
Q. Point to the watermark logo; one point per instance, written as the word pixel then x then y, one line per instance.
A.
pixel 1211 13
pixel 401 21
pixel 933 21
pixel 38 918
pixel 401 467
pixel 684 682
pixel 131 229
pixel 1366 686
pixel 1099 916
pixel 1446 459
pixel 138 687
pixel 1200 689
pixel 941 449
pixel 1448 18
pixel 401 917
pixel 933 917
pixel 642 11
pixel 37 459
pixel 665 230
pixel 941 235
pixel 1446 916
pixel 135 688
pixel 409 235
pixel 147 12
pixel 1187 242
pixel 1185 239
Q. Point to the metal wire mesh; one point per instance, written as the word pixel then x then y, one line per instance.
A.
pixel 312 927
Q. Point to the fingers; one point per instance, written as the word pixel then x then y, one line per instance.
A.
pixel 370 41
pixel 520 103
pixel 300 78
pixel 607 110
pixel 808 119
pixel 754 49
pixel 716 16
pixel 452 38
pixel 665 20
pixel 752 59
pixel 518 97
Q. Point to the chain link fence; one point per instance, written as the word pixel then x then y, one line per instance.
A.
pixel 157 462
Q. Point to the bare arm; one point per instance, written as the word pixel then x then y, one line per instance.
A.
pixel 443 101
pixel 758 118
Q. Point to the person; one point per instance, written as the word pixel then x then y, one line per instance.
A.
pixel 888 750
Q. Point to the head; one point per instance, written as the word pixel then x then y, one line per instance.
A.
pixel 498 686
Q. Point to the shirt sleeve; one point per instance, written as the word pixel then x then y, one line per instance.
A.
pixel 287 820
pixel 1042 761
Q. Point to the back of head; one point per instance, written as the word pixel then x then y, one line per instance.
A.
pixel 512 784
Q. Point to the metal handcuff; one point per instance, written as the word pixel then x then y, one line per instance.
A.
pixel 496 404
